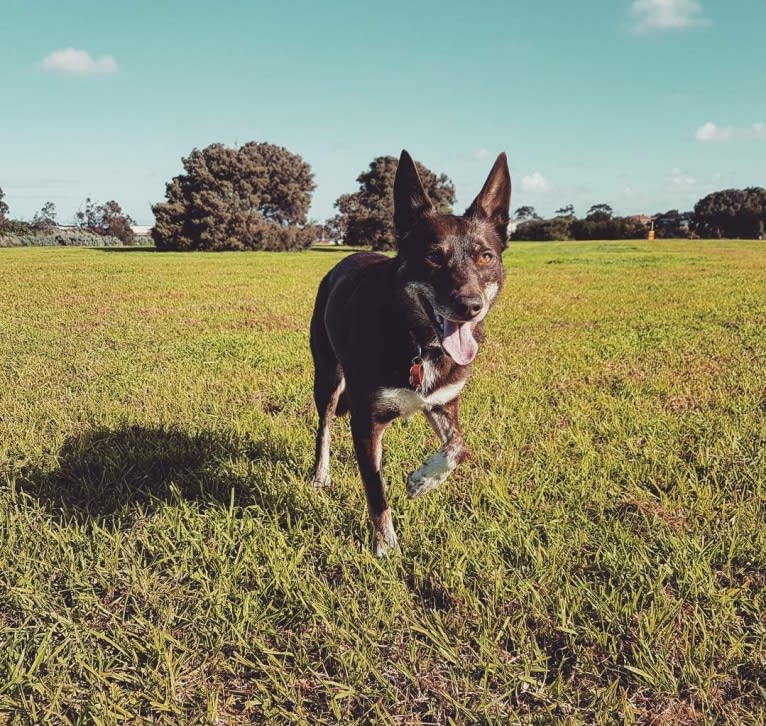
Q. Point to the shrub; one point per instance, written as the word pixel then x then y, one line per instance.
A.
pixel 13 227
pixel 57 238
pixel 107 220
pixel 540 230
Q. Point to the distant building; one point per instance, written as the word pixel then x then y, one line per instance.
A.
pixel 641 218
pixel 141 230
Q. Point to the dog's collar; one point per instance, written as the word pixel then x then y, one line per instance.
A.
pixel 417 374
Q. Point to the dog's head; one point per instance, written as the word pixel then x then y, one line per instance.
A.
pixel 451 265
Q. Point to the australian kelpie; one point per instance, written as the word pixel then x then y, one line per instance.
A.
pixel 395 335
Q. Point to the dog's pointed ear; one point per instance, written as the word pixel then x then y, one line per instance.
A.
pixel 410 199
pixel 494 200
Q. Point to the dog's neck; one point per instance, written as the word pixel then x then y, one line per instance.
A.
pixel 430 350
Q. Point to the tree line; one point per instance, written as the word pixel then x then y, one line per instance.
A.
pixel 600 222
pixel 95 224
pixel 257 196
pixel 734 213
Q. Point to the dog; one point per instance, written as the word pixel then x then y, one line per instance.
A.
pixel 391 336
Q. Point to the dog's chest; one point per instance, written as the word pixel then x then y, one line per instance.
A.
pixel 406 401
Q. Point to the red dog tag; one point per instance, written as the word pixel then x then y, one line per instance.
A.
pixel 417 373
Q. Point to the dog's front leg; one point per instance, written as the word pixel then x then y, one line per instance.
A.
pixel 433 472
pixel 368 444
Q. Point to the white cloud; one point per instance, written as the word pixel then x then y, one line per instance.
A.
pixel 535 182
pixel 666 14
pixel 679 181
pixel 480 155
pixel 78 62
pixel 711 132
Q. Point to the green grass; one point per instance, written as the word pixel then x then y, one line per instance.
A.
pixel 601 560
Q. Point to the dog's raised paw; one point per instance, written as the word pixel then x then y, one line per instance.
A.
pixel 430 474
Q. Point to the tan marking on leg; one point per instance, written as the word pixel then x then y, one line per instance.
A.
pixel 322 469
pixel 384 536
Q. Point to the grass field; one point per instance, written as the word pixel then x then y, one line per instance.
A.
pixel 164 559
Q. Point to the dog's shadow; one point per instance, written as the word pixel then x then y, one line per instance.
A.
pixel 105 474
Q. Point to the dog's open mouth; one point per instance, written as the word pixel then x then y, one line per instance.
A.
pixel 456 337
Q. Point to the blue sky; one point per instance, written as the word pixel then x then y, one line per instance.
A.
pixel 644 104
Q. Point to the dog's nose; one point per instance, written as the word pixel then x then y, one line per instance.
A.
pixel 468 306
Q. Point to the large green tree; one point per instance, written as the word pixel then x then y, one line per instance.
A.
pixel 731 213
pixel 251 197
pixel 367 215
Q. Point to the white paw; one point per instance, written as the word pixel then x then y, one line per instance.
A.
pixel 385 542
pixel 322 482
pixel 430 475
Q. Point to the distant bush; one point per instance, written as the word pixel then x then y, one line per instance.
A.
pixel 14 227
pixel 24 236
pixel 543 230
pixel 107 220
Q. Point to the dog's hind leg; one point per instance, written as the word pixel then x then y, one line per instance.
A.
pixel 329 385
pixel 328 389
pixel 433 472
pixel 368 444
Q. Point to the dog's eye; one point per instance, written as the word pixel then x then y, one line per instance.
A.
pixel 435 257
pixel 486 257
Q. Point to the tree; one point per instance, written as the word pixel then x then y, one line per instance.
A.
pixel 600 211
pixel 335 229
pixel 367 215
pixel 629 228
pixel 46 217
pixel 106 219
pixel 672 224
pixel 566 211
pixel 731 213
pixel 539 230
pixel 526 213
pixel 251 197
pixel 3 208
pixel 599 223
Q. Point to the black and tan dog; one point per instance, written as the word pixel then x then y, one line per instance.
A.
pixel 392 336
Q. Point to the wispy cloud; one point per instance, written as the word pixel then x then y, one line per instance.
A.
pixel 665 14
pixel 535 182
pixel 78 63
pixel 711 132
pixel 679 181
pixel 480 155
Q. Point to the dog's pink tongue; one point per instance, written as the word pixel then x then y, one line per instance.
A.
pixel 459 342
